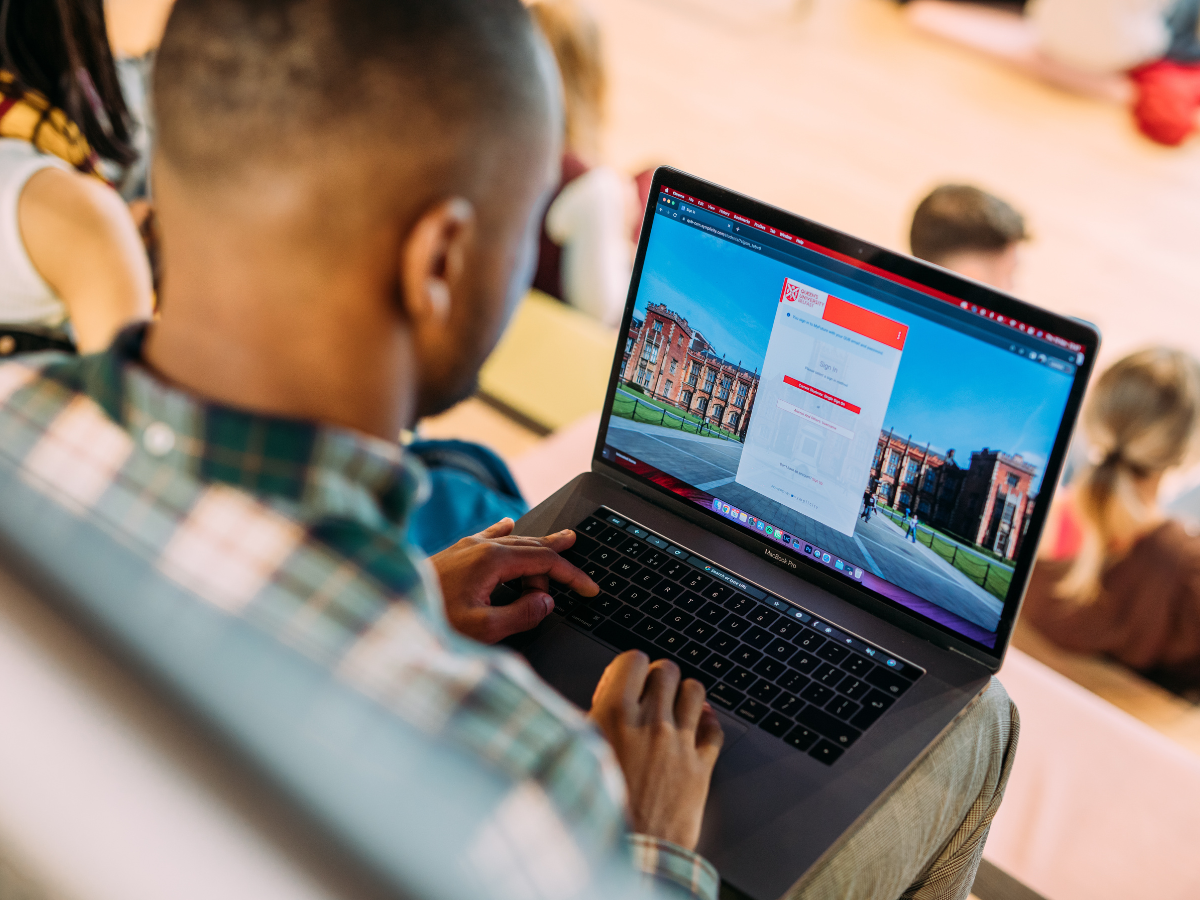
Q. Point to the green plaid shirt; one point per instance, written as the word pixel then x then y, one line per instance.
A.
pixel 297 530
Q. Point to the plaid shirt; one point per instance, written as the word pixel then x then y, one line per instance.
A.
pixel 296 529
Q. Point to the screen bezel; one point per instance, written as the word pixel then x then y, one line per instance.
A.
pixel 916 271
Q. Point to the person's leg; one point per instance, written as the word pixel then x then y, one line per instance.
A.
pixel 924 842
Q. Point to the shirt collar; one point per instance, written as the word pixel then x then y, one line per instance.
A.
pixel 312 471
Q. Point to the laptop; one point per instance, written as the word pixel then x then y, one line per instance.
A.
pixel 819 483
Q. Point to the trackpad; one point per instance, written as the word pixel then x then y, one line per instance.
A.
pixel 569 661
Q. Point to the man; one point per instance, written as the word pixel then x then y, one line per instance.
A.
pixel 349 193
pixel 970 232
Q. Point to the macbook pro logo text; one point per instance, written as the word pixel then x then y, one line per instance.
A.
pixel 779 557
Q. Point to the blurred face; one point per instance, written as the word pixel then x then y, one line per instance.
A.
pixel 996 269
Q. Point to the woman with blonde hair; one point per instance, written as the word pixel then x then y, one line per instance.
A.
pixel 1122 578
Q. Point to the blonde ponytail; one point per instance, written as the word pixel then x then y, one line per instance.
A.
pixel 1141 420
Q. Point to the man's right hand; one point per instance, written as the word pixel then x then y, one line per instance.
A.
pixel 666 738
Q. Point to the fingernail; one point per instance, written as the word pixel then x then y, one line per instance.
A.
pixel 549 603
pixel 565 532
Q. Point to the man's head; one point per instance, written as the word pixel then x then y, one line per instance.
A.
pixel 374 169
pixel 970 232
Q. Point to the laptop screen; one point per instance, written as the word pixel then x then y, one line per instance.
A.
pixel 897 436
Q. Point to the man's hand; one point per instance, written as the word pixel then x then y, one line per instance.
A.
pixel 471 569
pixel 666 738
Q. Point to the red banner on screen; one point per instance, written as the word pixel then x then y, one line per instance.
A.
pixel 864 322
pixel 817 392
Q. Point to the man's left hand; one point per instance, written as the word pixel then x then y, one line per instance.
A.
pixel 471 569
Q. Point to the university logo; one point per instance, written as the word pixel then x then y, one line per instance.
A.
pixel 803 296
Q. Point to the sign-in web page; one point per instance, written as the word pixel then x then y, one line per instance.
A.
pixel 827 379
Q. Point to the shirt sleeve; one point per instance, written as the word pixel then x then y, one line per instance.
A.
pixel 673 871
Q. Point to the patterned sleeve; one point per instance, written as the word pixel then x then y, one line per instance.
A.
pixel 675 872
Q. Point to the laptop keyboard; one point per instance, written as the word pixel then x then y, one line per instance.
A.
pixel 772 664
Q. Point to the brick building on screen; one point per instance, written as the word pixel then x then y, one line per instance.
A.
pixel 670 361
pixel 988 503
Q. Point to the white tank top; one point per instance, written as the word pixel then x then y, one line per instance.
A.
pixel 25 298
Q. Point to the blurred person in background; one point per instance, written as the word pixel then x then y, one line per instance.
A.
pixel 1140 53
pixel 73 269
pixel 1117 575
pixel 587 243
pixel 971 232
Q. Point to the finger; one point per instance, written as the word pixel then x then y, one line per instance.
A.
pixel 658 698
pixel 622 684
pixel 511 562
pixel 494 623
pixel 689 704
pixel 536 583
pixel 560 541
pixel 710 737
pixel 503 528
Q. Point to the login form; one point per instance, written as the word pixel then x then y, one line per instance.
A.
pixel 826 382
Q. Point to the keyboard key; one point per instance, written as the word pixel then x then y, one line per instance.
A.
pixel 613 538
pixel 612 584
pixel 649 628
pixel 594 571
pixel 793 681
pixel 801 738
pixel 632 547
pixel 828 675
pixel 675 568
pixel 700 631
pixel 606 605
pixel 776 723
pixel 604 556
pixel 627 616
pixel 857 665
pixel 788 704
pixel 753 711
pixel 875 704
pixel 769 667
pixel 656 608
pixel 673 642
pixel 763 616
pixel 780 649
pixel 612 518
pixel 635 595
pixel 694 581
pixel 739 603
pixel 765 690
pixel 841 734
pixel 843 707
pixel 805 663
pixel 711 613
pixel 854 689
pixel 740 678
pixel 626 568
pixel 734 625
pixel 826 752
pixel 833 652
pixel 694 653
pixel 785 628
pixel 717 665
pixel 588 618
pixel 647 578
pixel 668 590
pixel 653 558
pixel 716 592
pixel 888 682
pixel 724 695
pixel 809 640
pixel 677 619
pixel 656 541
pixel 817 693
pixel 689 601
pixel 757 637
pixel 590 526
pixel 745 656
pixel 723 643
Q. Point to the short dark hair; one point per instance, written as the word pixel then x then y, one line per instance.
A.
pixel 239 80
pixel 55 48
pixel 959 218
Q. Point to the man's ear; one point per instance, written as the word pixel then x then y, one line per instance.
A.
pixel 434 259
